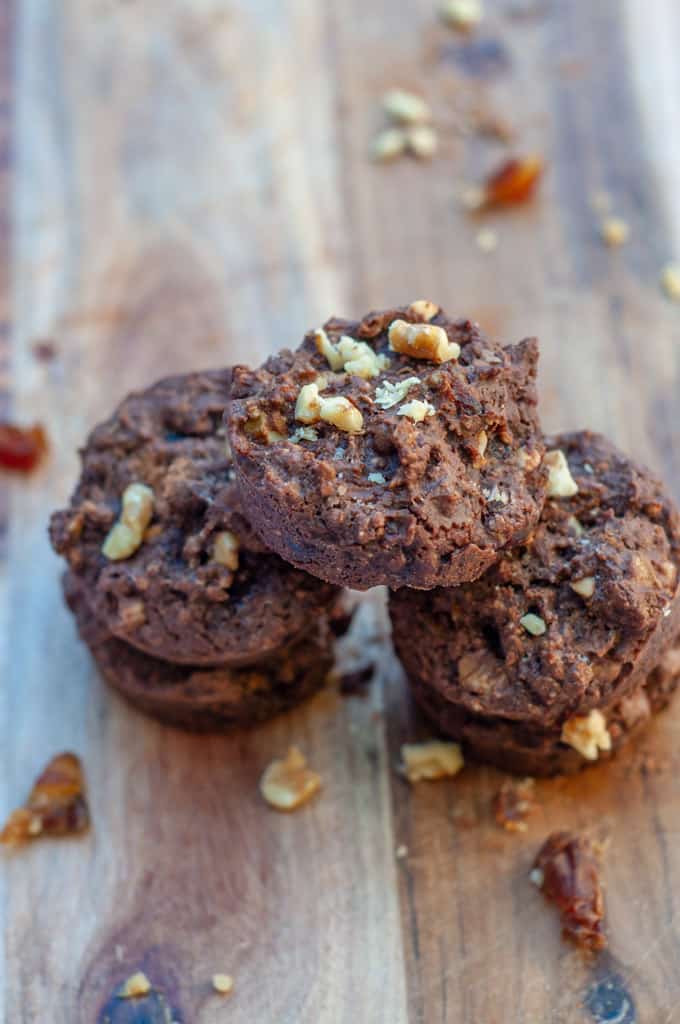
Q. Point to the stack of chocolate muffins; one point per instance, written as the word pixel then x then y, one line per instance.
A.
pixel 533 581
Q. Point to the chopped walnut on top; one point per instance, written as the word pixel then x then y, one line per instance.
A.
pixel 567 871
pixel 288 784
pixel 434 759
pixel 588 734
pixel 561 483
pixel 422 341
pixel 350 356
pixel 127 535
pixel 311 406
pixel 423 309
pixel 388 394
pixel 56 805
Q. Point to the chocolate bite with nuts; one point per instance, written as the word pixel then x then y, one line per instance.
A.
pixel 208 698
pixel 157 537
pixel 547 662
pixel 401 449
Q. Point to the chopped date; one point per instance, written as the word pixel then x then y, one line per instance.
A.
pixel 513 182
pixel 21 448
pixel 56 805
pixel 567 870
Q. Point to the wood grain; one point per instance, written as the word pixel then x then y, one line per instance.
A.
pixel 191 187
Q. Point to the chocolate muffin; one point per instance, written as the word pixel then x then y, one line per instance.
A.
pixel 572 621
pixel 157 536
pixel 205 698
pixel 402 449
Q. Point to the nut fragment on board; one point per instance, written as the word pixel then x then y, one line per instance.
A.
pixel 615 231
pixel 406 107
pixel 434 759
pixel 223 984
pixel 288 783
pixel 422 141
pixel 136 985
pixel 513 803
pixel 56 805
pixel 670 281
pixel 388 145
pixel 463 15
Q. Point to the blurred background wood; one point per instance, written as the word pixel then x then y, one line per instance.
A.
pixel 191 187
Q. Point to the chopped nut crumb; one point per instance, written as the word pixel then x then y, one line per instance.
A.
pixel 422 341
pixel 513 804
pixel 567 870
pixel 223 983
pixel 561 483
pixel 132 614
pixel 416 410
pixel 615 231
pixel 422 141
pixel 126 536
pixel 533 624
pixel 136 985
pixel 575 526
pixel 288 784
pixel 388 394
pixel 584 587
pixel 56 805
pixel 434 759
pixel 463 15
pixel 487 240
pixel 401 852
pixel 670 280
pixel 513 182
pixel 406 107
pixel 257 426
pixel 588 734
pixel 472 198
pixel 303 434
pixel 529 461
pixel 388 145
pixel 423 309
pixel 225 549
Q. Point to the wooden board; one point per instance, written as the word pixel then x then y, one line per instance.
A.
pixel 191 187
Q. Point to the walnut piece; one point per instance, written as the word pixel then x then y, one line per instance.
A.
pixel 529 461
pixel 288 784
pixel 533 624
pixel 303 434
pixel 340 412
pixel 567 870
pixel 422 141
pixel 588 734
pixel 223 983
pixel 615 231
pixel 423 309
pixel 137 985
pixel 584 587
pixel 670 281
pixel 56 805
pixel 388 145
pixel 422 341
pixel 561 483
pixel 225 549
pixel 388 394
pixel 257 426
pixel 513 803
pixel 405 107
pixel 132 614
pixel 463 15
pixel 350 356
pixel 434 759
pixel 126 536
pixel 416 410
